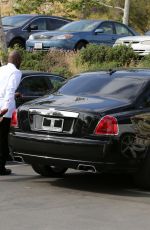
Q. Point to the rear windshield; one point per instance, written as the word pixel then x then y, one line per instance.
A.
pixel 127 88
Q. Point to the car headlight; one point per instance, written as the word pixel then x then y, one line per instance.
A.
pixel 118 42
pixel 146 42
pixel 62 37
pixel 31 37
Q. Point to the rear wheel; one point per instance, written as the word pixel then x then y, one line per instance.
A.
pixel 126 146
pixel 49 171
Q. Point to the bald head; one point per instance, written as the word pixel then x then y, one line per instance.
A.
pixel 15 58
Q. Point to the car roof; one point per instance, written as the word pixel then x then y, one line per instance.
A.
pixel 133 73
pixel 99 20
pixel 32 72
pixel 39 15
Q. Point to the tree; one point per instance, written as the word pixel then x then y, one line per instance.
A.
pixel 101 9
pixel 3 46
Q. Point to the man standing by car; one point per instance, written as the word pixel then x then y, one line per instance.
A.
pixel 10 77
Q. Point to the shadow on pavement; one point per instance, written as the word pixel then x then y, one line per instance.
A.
pixel 122 185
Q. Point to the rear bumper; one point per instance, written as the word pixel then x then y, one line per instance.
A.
pixel 46 45
pixel 59 150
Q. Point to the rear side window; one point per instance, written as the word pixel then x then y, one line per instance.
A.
pixel 40 23
pixel 107 27
pixel 34 86
pixel 54 24
pixel 56 81
pixel 122 30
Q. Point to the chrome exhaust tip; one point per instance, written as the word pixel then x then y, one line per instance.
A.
pixel 19 159
pixel 84 167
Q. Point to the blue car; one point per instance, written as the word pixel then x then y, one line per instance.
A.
pixel 76 35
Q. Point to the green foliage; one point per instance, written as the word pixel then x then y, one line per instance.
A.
pixel 122 55
pixel 92 58
pixel 27 6
pixel 94 53
pixel 145 62
pixel 139 17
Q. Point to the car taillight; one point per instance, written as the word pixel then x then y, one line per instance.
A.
pixel 108 125
pixel 14 120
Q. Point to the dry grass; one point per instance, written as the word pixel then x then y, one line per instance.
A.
pixel 60 60
pixel 7 8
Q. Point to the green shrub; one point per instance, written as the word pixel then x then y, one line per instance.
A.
pixel 145 62
pixel 93 54
pixel 124 55
pixel 92 58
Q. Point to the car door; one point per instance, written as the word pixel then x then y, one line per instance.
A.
pixel 32 87
pixel 36 25
pixel 104 34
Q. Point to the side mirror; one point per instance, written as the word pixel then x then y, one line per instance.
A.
pixel 32 27
pixel 99 31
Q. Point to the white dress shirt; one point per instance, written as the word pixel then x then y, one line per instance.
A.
pixel 10 78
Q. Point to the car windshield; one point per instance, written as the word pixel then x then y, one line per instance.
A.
pixel 126 88
pixel 15 21
pixel 80 26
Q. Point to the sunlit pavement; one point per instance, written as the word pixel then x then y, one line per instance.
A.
pixel 76 202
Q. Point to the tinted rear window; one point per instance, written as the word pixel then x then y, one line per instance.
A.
pixel 103 86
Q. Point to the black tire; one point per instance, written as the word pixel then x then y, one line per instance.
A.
pixel 80 45
pixel 142 176
pixel 18 42
pixel 48 171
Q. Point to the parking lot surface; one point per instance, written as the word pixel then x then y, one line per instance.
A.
pixel 78 201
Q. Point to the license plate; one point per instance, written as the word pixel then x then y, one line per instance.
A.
pixel 52 124
pixel 38 45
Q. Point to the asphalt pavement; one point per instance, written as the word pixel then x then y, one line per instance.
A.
pixel 78 201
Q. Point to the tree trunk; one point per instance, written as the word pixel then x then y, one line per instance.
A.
pixel 126 12
pixel 3 46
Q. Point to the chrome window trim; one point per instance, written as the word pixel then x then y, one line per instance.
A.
pixel 53 112
pixel 24 28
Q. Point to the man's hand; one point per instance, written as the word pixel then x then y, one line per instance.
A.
pixel 2 112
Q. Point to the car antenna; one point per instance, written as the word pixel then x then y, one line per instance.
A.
pixel 111 71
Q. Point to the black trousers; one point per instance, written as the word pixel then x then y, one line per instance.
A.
pixel 4 149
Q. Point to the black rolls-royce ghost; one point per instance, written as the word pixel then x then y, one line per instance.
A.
pixel 85 124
